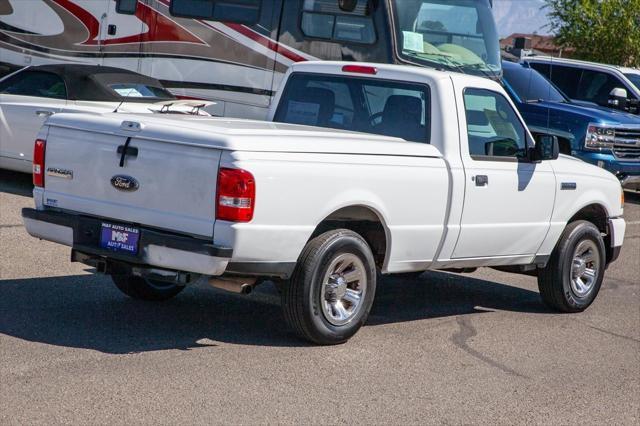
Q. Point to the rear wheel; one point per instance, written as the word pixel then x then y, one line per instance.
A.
pixel 332 288
pixel 571 280
pixel 145 289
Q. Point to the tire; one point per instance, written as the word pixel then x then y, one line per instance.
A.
pixel 144 289
pixel 332 288
pixel 579 253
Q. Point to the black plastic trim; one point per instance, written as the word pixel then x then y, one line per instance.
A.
pixel 614 253
pixel 263 269
pixel 541 260
pixel 86 236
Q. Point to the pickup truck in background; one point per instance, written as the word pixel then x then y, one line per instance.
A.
pixel 598 135
pixel 412 169
pixel 592 83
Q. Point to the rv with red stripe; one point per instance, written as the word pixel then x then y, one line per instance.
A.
pixel 235 52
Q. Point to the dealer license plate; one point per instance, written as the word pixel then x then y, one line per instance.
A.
pixel 119 238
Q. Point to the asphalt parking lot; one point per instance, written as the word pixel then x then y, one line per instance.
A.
pixel 442 348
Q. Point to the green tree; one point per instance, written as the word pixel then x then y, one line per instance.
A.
pixel 605 31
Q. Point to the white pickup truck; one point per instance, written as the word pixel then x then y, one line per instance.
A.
pixel 410 170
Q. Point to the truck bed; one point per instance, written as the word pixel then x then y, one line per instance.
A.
pixel 243 135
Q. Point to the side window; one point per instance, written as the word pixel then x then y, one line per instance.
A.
pixel 126 7
pixel 35 83
pixel 325 19
pixel 493 128
pixel 359 104
pixel 238 11
pixel 595 86
pixel 543 69
pixel 566 78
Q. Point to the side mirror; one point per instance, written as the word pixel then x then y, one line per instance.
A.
pixel 618 98
pixel 546 148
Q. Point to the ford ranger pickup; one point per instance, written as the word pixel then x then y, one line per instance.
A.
pixel 363 169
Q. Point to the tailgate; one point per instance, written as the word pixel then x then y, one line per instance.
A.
pixel 174 186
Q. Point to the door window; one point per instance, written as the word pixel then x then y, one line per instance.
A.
pixel 493 128
pixel 372 106
pixel 595 87
pixel 566 78
pixel 35 83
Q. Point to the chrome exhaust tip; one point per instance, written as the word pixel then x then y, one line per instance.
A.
pixel 238 285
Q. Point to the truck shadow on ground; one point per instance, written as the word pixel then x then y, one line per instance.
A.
pixel 16 183
pixel 87 311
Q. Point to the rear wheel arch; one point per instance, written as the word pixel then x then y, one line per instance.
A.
pixel 363 220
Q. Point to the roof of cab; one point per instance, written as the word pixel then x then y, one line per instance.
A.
pixel 394 72
pixel 577 62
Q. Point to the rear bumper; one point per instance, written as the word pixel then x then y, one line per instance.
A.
pixel 156 248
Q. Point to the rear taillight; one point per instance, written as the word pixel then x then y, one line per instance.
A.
pixel 236 195
pixel 38 162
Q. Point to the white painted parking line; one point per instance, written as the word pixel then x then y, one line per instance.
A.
pixel 635 222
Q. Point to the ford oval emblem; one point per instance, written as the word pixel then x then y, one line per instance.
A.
pixel 124 183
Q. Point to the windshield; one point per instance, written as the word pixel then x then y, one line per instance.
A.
pixel 530 85
pixel 635 79
pixel 458 35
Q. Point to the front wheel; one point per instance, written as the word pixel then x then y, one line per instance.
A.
pixel 145 289
pixel 332 288
pixel 571 280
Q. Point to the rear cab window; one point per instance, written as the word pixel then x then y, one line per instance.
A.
pixel 397 109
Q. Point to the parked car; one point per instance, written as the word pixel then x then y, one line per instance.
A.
pixel 30 95
pixel 602 136
pixel 591 82
pixel 435 184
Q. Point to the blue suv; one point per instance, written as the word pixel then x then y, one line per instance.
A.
pixel 605 137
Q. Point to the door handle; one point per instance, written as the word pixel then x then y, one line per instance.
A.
pixel 482 180
pixel 44 113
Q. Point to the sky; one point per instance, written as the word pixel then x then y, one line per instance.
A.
pixel 519 16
